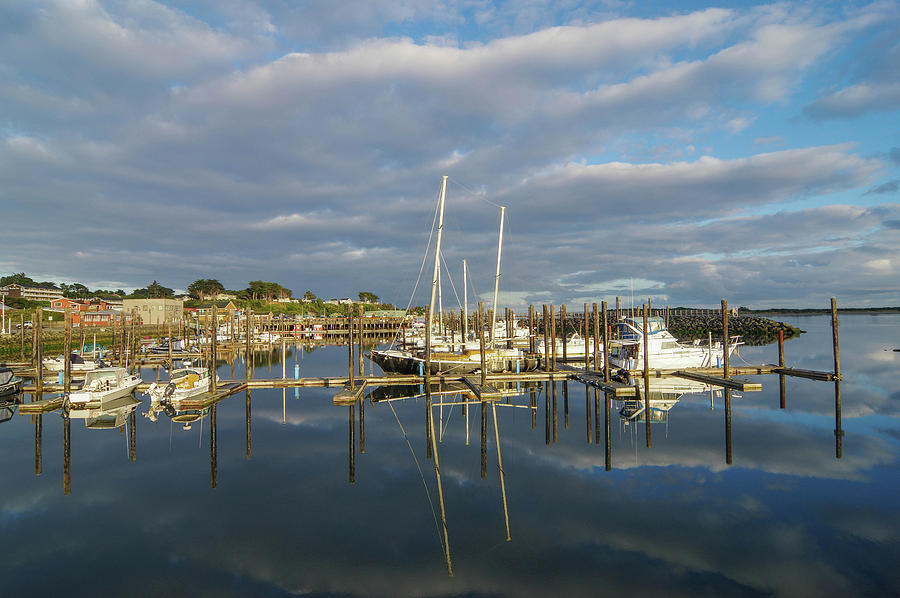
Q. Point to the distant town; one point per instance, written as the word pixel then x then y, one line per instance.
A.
pixel 101 307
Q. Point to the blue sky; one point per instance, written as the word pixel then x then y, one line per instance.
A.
pixel 703 150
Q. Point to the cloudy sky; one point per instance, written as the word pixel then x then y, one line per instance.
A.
pixel 688 150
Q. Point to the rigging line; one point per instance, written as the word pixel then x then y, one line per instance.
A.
pixel 421 266
pixel 479 196
pixel 450 278
pixel 449 417
pixel 421 475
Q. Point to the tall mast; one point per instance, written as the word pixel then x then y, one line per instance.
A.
pixel 437 252
pixel 497 277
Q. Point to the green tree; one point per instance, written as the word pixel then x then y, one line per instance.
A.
pixel 309 296
pixel 368 297
pixel 18 278
pixel 205 286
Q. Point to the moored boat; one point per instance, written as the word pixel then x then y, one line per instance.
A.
pixel 103 385
pixel 664 351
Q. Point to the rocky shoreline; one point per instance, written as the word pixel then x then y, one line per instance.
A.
pixel 753 330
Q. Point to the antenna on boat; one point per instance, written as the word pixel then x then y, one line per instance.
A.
pixel 497 277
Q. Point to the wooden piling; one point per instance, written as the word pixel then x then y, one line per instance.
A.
pixel 213 338
pixel 546 341
pixel 247 430
pixel 646 351
pixel 213 450
pixel 553 337
pixel 67 352
pixel 481 346
pixel 132 436
pixel 350 364
pixel 596 337
pixel 728 451
pixel 587 412
pixel 605 343
pixel 249 349
pixel 725 369
pixel 838 431
pixel 587 340
pixel 483 442
pixel 38 444
pixel 606 436
pixel 834 338
pixel 562 320
pixel 39 351
pixel 67 454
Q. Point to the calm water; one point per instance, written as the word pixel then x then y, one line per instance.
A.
pixel 786 518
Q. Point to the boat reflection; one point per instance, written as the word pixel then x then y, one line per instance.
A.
pixel 112 415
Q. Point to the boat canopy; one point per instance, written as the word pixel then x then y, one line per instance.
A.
pixel 112 374
pixel 6 375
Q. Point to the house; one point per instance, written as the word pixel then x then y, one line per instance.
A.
pixel 63 302
pixel 154 311
pixel 31 293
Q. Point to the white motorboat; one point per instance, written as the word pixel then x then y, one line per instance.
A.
pixel 183 383
pixel 664 351
pixel 575 347
pixel 105 384
pixel 78 363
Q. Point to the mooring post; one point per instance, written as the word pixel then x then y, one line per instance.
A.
pixel 605 343
pixel 546 341
pixel 38 444
pixel 553 336
pixel 169 342
pixel 39 351
pixel 726 373
pixel 22 337
pixel 483 442
pixel 587 340
pixel 606 436
pixel 481 343
pixel 555 414
pixel 212 348
pixel 547 413
pixel 587 412
pixel 67 352
pixel 596 337
pixel 132 437
pixel 249 359
pixel 781 377
pixel 834 337
pixel 646 351
pixel 359 352
pixel 562 320
pixel 350 364
pixel 531 328
pixel 617 309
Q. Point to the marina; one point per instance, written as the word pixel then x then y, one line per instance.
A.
pixel 230 447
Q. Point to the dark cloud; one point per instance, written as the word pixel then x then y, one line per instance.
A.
pixel 888 187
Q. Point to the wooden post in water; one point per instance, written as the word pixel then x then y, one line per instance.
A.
pixel 531 343
pixel 547 413
pixel 67 353
pixel 22 337
pixel 350 364
pixel 726 373
pixel 617 309
pixel 170 342
pixel 546 341
pixel 553 336
pixel 587 340
pixel 587 412
pixel 483 442
pixel 562 321
pixel 646 351
pixel 555 416
pixel 596 337
pixel 781 365
pixel 249 361
pixel 359 352
pixel 213 334
pixel 605 344
pixel 834 337
pixel 481 343
pixel 39 351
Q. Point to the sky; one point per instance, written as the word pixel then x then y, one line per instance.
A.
pixel 681 151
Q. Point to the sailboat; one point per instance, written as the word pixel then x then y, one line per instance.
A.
pixel 467 359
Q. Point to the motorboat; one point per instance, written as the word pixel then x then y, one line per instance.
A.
pixel 183 383
pixel 664 351
pixel 574 348
pixel 78 363
pixel 10 384
pixel 103 385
